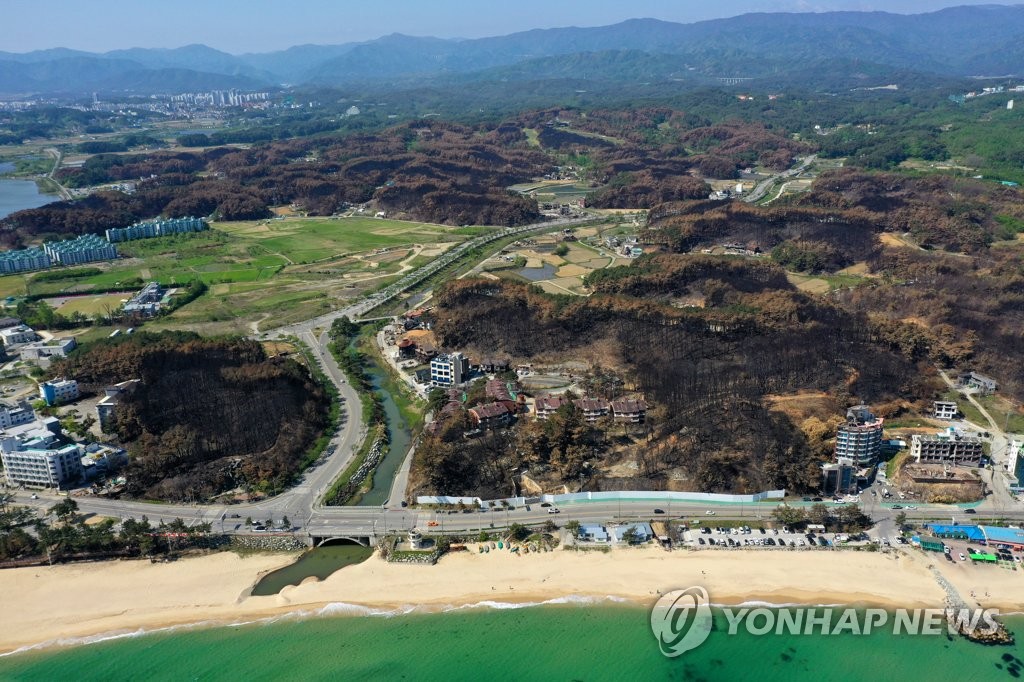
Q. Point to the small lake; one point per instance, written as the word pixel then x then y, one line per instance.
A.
pixel 537 274
pixel 320 562
pixel 17 194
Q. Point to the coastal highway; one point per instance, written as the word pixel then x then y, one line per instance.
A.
pixel 373 521
pixel 302 503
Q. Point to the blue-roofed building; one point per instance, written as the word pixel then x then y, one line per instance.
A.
pixel 958 532
pixel 594 532
pixel 1013 538
pixel 643 532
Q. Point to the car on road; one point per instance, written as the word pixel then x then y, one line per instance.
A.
pixel 545 504
pixel 659 511
pixel 970 511
pixel 554 510
pixel 816 499
pixel 962 557
pixel 709 513
pixel 911 506
pixel 33 496
pixel 897 506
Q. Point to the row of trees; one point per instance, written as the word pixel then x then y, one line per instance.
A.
pixel 63 534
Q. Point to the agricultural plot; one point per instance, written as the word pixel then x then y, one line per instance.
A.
pixel 556 274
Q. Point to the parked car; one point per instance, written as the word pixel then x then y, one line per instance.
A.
pixel 962 557
pixel 701 541
pixel 554 510
pixel 545 504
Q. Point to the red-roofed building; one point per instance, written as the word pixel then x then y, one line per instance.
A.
pixel 592 408
pixel 546 405
pixel 632 411
pixel 492 415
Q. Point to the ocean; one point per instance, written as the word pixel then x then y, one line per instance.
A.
pixel 566 641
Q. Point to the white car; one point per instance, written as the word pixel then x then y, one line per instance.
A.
pixel 709 513
pixel 962 557
pixel 554 510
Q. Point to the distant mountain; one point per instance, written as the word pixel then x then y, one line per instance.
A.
pixel 294 64
pixel 959 41
pixel 198 58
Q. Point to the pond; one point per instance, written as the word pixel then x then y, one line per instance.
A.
pixel 547 271
pixel 320 562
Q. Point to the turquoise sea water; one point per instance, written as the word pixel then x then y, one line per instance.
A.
pixel 551 642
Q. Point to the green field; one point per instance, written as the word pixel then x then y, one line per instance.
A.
pixel 270 272
pixel 306 240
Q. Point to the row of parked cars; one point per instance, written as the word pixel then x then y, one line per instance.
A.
pixel 772 537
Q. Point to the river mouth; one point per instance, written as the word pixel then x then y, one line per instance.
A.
pixel 319 562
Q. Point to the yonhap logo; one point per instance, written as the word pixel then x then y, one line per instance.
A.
pixel 681 620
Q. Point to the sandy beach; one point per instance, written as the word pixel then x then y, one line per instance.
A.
pixel 56 604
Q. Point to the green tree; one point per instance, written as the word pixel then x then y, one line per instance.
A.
pixel 901 520
pixel 518 531
pixel 818 513
pixel 64 510
pixel 631 536
pixel 286 523
pixel 573 527
pixel 788 516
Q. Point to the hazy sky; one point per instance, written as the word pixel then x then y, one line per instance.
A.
pixel 265 25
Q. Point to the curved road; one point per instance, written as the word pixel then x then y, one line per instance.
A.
pixel 302 503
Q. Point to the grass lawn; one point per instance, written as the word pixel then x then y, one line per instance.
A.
pixel 1007 415
pixel 967 408
pixel 253 269
pixel 304 240
pixel 87 305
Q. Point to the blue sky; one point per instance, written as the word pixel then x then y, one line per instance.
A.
pixel 265 25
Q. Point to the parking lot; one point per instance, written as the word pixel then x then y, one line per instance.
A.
pixel 712 537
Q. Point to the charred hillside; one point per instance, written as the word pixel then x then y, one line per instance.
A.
pixel 708 369
pixel 210 415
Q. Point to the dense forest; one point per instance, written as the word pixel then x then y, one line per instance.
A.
pixel 210 415
pixel 708 368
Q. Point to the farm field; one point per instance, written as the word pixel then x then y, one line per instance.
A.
pixel 556 274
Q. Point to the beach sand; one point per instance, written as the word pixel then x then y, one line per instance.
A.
pixel 55 604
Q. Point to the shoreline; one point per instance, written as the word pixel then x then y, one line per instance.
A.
pixel 51 607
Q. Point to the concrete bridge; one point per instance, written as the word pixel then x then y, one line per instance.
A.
pixel 364 540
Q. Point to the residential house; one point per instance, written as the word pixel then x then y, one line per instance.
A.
pixel 496 389
pixel 629 411
pixel 492 415
pixel 983 384
pixel 642 531
pixel 546 405
pixel 944 409
pixel 593 408
pixel 593 532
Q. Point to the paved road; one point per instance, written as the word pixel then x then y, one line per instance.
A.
pixel 302 504
pixel 763 186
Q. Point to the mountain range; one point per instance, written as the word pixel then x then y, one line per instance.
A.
pixel 979 40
